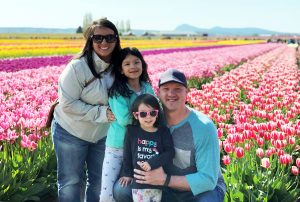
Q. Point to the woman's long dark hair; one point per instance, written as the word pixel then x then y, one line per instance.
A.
pixel 119 87
pixel 87 50
pixel 149 100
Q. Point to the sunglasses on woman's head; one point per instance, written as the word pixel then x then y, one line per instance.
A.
pixel 110 38
pixel 152 113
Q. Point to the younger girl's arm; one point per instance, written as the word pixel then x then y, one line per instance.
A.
pixel 168 150
pixel 124 181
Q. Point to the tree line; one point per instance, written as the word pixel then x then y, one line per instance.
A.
pixel 122 26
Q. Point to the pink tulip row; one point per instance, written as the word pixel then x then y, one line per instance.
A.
pixel 171 50
pixel 204 63
pixel 25 95
pixel 256 106
pixel 16 64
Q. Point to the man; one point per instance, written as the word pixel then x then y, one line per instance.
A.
pixel 195 173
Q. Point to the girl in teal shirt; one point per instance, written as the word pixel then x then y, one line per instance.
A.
pixel 131 80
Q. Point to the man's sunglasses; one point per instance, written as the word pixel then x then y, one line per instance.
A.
pixel 152 113
pixel 110 38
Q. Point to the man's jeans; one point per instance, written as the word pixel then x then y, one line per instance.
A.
pixel 123 194
pixel 72 155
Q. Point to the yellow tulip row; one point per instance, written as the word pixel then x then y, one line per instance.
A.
pixel 12 48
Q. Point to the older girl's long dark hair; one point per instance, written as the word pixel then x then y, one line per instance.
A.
pixel 119 87
pixel 87 50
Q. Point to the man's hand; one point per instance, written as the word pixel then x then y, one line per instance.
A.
pixel 152 177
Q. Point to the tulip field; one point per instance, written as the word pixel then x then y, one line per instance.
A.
pixel 250 89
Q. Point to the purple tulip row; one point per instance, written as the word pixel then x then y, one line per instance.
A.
pixel 16 64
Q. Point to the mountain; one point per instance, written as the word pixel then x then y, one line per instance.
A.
pixel 222 31
pixel 242 31
pixel 139 32
pixel 32 30
pixel 184 29
pixel 189 28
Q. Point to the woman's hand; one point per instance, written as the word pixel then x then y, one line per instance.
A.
pixel 110 116
pixel 153 177
pixel 125 181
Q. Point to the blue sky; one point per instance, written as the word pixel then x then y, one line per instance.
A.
pixel 276 15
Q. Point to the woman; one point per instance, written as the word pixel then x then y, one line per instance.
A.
pixel 82 117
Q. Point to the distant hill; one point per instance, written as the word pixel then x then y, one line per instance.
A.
pixel 139 32
pixel 247 31
pixel 31 30
pixel 189 28
pixel 184 29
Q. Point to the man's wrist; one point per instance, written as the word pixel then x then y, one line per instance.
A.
pixel 167 180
